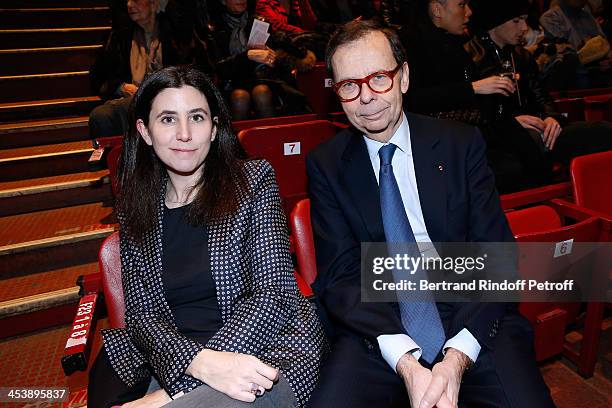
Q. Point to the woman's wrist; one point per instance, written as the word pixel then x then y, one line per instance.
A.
pixel 197 366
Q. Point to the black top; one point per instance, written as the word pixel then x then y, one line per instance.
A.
pixel 188 283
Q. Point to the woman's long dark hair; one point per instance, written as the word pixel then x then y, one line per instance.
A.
pixel 142 173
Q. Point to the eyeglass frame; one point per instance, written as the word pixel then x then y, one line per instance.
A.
pixel 366 79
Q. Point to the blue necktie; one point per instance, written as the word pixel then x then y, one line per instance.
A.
pixel 419 317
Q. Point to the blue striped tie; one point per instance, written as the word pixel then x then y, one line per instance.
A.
pixel 420 318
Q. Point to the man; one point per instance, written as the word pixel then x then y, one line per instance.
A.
pixel 468 354
pixel 444 83
pixel 496 48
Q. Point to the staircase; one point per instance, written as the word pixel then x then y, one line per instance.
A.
pixel 54 210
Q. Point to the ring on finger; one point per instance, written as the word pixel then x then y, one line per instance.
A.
pixel 253 388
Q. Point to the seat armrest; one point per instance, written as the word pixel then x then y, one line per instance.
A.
pixel 80 339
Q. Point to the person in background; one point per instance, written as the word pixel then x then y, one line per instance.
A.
pixel 254 79
pixel 445 83
pixel 212 309
pixel 572 21
pixel 147 42
pixel 529 112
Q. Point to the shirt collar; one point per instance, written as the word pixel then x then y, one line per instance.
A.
pixel 401 138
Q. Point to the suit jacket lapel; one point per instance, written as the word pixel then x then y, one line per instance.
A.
pixel 361 183
pixel 430 176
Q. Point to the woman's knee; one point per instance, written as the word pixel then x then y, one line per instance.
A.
pixel 240 101
pixel 263 98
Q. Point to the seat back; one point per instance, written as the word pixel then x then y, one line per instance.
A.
pixel 301 229
pixel 279 120
pixel 316 85
pixel 591 177
pixel 572 108
pixel 112 162
pixel 598 107
pixel 285 147
pixel 580 93
pixel 533 220
pixel 110 266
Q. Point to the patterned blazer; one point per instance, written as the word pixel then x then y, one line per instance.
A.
pixel 262 311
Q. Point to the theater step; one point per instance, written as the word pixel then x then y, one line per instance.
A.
pixel 17 88
pixel 44 161
pixel 43 132
pixel 47 109
pixel 43 282
pixel 43 241
pixel 25 315
pixel 54 17
pixel 53 37
pixel 18 197
pixel 53 294
pixel 28 61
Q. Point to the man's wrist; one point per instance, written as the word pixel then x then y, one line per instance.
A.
pixel 405 365
pixel 461 361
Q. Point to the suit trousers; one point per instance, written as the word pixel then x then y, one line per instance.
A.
pixel 355 375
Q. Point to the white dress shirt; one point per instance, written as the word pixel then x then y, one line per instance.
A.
pixel 394 346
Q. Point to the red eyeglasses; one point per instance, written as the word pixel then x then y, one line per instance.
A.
pixel 380 82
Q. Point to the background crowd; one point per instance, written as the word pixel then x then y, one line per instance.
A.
pixel 456 53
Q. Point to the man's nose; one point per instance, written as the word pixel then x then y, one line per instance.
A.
pixel 366 94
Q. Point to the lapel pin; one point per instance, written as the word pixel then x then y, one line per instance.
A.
pixel 441 167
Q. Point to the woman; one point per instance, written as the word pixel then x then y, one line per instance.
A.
pixel 147 41
pixel 212 308
pixel 254 78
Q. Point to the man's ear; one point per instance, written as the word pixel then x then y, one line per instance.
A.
pixel 215 126
pixel 404 77
pixel 144 132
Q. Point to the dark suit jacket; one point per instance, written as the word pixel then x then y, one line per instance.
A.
pixel 459 203
pixel 263 312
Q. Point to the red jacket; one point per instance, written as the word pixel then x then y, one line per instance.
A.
pixel 278 17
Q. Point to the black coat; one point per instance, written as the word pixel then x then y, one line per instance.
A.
pixel 441 71
pixel 459 204
pixel 534 98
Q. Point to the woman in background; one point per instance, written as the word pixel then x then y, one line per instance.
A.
pixel 147 41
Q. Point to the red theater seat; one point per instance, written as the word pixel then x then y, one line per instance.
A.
pixel 591 180
pixel 279 120
pixel 285 147
pixel 316 85
pixel 580 93
pixel 301 229
pixel 110 267
pixel 588 226
pixel 598 107
pixel 108 283
pixel 572 108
